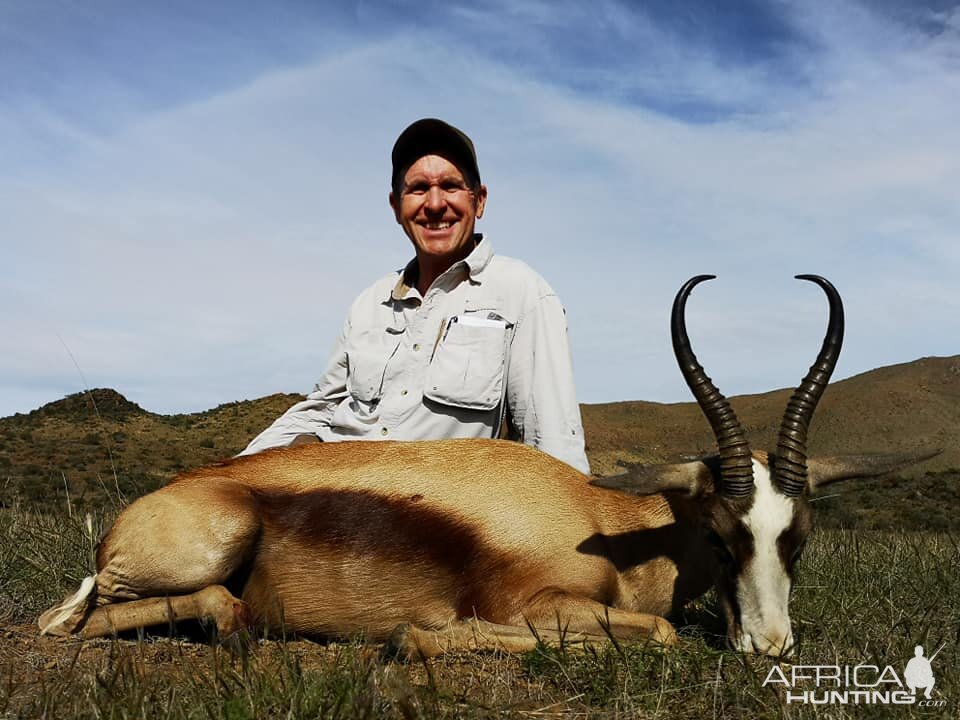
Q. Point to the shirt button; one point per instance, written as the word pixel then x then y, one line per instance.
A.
pixel 383 431
pixel 403 392
pixel 416 346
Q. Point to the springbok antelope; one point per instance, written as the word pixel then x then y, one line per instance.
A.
pixel 473 543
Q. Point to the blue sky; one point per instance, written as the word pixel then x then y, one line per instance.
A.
pixel 192 194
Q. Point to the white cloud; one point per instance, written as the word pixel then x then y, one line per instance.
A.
pixel 209 252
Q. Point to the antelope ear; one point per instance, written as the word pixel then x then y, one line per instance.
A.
pixel 826 470
pixel 694 478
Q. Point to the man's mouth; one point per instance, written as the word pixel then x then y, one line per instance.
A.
pixel 438 225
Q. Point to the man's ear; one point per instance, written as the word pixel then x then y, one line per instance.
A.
pixel 481 196
pixel 394 205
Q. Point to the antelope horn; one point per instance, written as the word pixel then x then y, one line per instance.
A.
pixel 790 470
pixel 736 464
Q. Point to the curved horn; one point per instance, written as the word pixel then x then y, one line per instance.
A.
pixel 736 464
pixel 790 472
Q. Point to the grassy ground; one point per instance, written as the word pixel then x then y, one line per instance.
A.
pixel 862 598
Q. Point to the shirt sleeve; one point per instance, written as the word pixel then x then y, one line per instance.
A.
pixel 541 397
pixel 314 413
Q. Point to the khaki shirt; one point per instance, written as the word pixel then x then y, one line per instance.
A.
pixel 408 367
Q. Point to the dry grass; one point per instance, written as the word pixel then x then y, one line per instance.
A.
pixel 862 597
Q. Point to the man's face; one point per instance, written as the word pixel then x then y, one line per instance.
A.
pixel 438 210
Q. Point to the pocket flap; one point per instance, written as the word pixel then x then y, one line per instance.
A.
pixel 467 366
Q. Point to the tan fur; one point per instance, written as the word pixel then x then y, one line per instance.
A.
pixel 322 537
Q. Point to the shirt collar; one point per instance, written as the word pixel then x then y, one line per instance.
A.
pixel 479 258
pixel 406 281
pixel 476 262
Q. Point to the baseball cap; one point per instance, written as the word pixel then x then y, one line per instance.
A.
pixel 430 136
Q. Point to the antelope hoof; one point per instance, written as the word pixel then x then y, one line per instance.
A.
pixel 663 633
pixel 235 619
pixel 229 614
pixel 408 642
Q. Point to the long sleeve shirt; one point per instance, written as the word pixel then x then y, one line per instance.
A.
pixel 407 367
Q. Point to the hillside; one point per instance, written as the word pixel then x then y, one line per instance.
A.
pixel 900 407
pixel 99 446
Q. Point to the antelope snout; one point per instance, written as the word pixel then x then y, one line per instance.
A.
pixel 773 641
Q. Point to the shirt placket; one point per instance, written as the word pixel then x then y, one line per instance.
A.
pixel 422 327
pixel 403 397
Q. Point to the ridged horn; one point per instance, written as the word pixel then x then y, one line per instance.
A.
pixel 790 471
pixel 736 464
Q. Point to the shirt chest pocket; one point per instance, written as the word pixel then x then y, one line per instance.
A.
pixel 367 356
pixel 467 368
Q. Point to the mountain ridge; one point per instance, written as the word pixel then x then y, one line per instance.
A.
pixel 97 446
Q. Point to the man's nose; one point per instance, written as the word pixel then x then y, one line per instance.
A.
pixel 435 200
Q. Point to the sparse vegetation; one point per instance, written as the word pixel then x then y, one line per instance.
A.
pixel 90 445
pixel 879 576
pixel 862 597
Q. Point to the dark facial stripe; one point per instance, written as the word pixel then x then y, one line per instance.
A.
pixel 723 518
pixel 792 540
pixel 733 547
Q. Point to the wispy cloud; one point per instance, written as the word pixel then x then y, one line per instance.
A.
pixel 202 244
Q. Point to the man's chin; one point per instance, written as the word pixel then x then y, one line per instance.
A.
pixel 446 251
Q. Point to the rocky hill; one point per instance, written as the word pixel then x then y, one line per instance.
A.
pixel 97 447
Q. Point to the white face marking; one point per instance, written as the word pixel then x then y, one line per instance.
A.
pixel 763 588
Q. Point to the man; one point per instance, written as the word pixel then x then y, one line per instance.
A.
pixel 919 672
pixel 453 342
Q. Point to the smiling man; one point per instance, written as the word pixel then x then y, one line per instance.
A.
pixel 454 343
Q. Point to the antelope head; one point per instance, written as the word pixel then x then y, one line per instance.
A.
pixel 753 508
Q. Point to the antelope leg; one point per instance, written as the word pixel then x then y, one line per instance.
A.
pixel 556 609
pixel 214 603
pixel 409 641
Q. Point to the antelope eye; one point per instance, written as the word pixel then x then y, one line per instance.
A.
pixel 719 547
